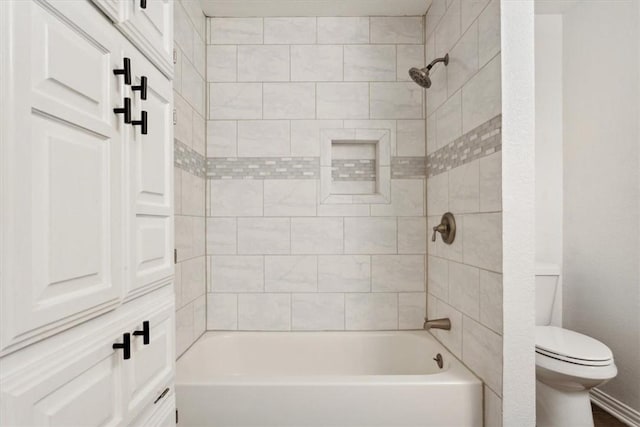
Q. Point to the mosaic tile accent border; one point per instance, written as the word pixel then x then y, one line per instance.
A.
pixel 298 168
pixel 408 167
pixel 353 170
pixel 187 159
pixel 482 141
pixel 263 168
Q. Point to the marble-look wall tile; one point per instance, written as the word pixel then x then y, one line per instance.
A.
pixel 317 312
pixel 236 30
pixel 482 246
pixel 317 235
pixel 183 130
pixel 291 273
pixel 412 235
pixel 184 329
pixel 491 183
pixel 263 138
pixel 396 101
pixel 407 199
pixel 464 289
pixel 236 198
pixel 316 63
pixel 237 273
pixel 452 339
pixel 199 316
pixel 409 55
pixel 222 312
pixel 371 311
pixel 449 120
pixel 492 408
pixel 411 310
pixel 183 31
pixel 264 236
pixel 397 30
pixel 370 235
pixel 264 312
pixel 290 198
pixel 482 96
pixel 235 101
pixel 222 138
pixel 290 30
pixel 305 136
pixel 370 63
pixel 464 190
pixel 343 100
pixel 222 63
pixel 289 101
pixel 221 236
pixel 397 273
pixel 463 62
pixel 343 30
pixel 489 32
pixel 410 138
pixel 263 63
pixel 448 31
pixel 438 195
pixel 344 273
pixel 491 300
pixel 438 277
pixel 470 10
pixel 482 352
pixel 193 279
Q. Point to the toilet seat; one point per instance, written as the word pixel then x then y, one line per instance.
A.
pixel 572 347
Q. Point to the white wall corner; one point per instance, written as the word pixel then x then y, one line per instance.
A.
pixel 518 192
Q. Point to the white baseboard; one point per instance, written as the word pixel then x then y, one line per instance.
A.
pixel 623 412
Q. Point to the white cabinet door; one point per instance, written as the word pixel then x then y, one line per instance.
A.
pixel 150 181
pixel 149 25
pixel 61 153
pixel 153 365
pixel 82 389
pixel 114 9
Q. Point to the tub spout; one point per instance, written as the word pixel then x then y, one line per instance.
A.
pixel 443 323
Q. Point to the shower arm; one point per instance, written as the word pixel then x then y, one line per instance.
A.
pixel 444 59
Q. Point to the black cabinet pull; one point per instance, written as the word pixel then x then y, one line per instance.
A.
pixel 126 110
pixel 125 346
pixel 164 393
pixel 142 87
pixel 144 332
pixel 125 70
pixel 142 122
pixel 143 4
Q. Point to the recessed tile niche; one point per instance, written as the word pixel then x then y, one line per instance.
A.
pixel 355 166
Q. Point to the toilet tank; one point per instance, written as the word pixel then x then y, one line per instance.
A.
pixel 547 277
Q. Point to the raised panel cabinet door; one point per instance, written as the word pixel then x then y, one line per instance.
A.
pixel 149 25
pixel 79 387
pixel 150 181
pixel 61 153
pixel 152 370
pixel 114 9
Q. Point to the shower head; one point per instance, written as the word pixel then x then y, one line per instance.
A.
pixel 421 75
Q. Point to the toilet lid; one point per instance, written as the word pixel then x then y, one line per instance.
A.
pixel 571 346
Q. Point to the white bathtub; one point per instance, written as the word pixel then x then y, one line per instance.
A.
pixel 324 379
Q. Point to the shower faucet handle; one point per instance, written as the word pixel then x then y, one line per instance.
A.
pixel 446 228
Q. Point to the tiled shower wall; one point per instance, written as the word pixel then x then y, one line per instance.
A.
pixel 280 257
pixel 189 172
pixel 464 177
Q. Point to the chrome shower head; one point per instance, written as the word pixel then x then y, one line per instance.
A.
pixel 421 75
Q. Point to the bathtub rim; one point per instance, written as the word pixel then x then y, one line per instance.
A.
pixel 454 373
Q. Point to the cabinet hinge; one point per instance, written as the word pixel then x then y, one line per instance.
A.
pixel 176 416
pixel 175 256
pixel 175 117
pixel 175 56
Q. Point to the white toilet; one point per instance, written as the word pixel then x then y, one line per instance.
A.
pixel 568 364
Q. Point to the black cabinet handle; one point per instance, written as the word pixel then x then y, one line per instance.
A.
pixel 142 122
pixel 164 393
pixel 142 87
pixel 126 110
pixel 125 346
pixel 125 70
pixel 144 332
pixel 143 4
